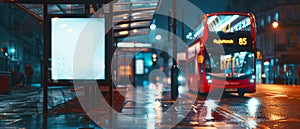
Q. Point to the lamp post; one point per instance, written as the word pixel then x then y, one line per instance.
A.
pixel 275 25
pixel 174 69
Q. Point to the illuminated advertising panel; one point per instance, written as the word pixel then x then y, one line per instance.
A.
pixel 139 67
pixel 70 39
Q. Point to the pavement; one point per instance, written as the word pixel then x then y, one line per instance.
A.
pixel 144 107
pixel 23 107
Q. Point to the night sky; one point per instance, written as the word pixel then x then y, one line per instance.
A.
pixel 210 6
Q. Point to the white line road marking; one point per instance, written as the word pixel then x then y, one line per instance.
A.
pixel 276 95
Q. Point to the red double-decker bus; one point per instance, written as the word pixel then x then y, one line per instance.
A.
pixel 223 54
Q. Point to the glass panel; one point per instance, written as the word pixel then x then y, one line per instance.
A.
pixel 118 18
pixel 235 64
pixel 228 23
pixel 133 10
pixel 191 67
pixel 139 31
pixel 140 24
pixel 121 7
pixel 143 5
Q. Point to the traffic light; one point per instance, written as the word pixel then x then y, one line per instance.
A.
pixel 4 51
pixel 154 59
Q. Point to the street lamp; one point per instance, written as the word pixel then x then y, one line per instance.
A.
pixel 158 37
pixel 275 25
pixel 174 69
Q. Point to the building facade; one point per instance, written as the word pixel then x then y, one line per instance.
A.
pixel 21 34
pixel 282 43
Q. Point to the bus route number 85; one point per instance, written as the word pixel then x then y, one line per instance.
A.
pixel 242 41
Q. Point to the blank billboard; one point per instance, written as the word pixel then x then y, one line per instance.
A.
pixel 77 48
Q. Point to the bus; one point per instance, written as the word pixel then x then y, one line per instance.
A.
pixel 223 53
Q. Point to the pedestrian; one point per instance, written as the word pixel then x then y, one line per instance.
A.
pixel 29 73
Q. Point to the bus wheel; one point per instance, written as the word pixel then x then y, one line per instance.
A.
pixel 241 94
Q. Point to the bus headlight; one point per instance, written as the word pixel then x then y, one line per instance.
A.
pixel 209 79
pixel 252 79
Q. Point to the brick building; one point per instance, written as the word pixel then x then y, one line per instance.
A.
pixel 21 33
pixel 282 43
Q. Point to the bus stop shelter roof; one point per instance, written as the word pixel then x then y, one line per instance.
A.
pixel 130 17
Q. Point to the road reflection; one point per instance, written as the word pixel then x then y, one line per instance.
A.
pixel 211 105
pixel 253 105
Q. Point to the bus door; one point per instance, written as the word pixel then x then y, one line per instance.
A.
pixel 201 66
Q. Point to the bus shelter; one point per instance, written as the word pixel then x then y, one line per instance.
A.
pixel 122 18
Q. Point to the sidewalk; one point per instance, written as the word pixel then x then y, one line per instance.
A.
pixel 19 104
pixel 23 108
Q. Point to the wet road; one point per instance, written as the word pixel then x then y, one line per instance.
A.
pixel 272 106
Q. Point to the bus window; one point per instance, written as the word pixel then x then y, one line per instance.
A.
pixel 233 64
pixel 191 67
pixel 233 23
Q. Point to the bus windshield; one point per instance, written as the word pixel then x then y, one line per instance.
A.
pixel 231 33
pixel 234 64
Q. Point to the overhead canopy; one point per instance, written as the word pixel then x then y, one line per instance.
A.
pixel 130 17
